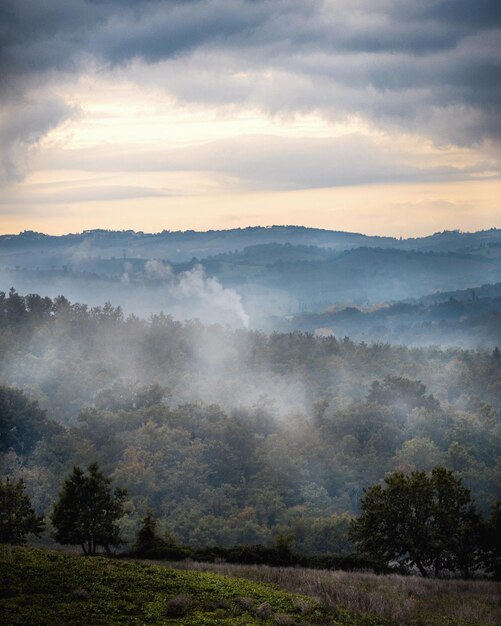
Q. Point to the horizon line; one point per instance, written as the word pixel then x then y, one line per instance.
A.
pixel 89 231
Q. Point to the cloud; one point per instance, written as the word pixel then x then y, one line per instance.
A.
pixel 429 67
pixel 269 162
pixel 89 193
pixel 23 124
pixel 272 162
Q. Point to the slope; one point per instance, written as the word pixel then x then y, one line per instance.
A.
pixel 41 587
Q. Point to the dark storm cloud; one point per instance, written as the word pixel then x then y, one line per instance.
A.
pixel 53 33
pixel 478 14
pixel 56 34
pixel 431 66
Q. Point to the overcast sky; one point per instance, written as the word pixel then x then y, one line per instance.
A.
pixel 379 116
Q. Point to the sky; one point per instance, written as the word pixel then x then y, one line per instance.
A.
pixel 375 116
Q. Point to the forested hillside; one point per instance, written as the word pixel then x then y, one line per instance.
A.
pixel 230 436
pixel 264 278
pixel 38 248
pixel 468 318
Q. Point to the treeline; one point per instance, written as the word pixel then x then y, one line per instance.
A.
pixel 418 520
pixel 233 437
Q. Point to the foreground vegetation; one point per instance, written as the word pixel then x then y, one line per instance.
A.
pixel 409 600
pixel 42 587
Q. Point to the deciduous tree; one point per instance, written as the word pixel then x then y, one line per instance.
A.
pixel 22 422
pixel 17 516
pixel 422 520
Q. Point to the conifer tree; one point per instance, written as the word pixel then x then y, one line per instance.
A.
pixel 87 511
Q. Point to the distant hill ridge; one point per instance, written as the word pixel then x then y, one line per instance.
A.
pixel 260 271
pixel 183 245
pixel 247 230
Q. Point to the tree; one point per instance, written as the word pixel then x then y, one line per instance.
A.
pixel 422 520
pixel 22 422
pixel 151 546
pixel 87 510
pixel 148 543
pixel 17 516
pixel 402 394
pixel 418 452
pixel 129 396
pixel 455 525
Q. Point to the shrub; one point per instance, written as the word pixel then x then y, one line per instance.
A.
pixel 178 606
pixel 80 594
pixel 264 611
pixel 247 604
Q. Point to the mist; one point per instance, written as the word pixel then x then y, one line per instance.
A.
pixel 438 290
pixel 187 295
pixel 271 382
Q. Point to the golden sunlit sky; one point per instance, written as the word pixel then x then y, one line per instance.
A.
pixel 374 116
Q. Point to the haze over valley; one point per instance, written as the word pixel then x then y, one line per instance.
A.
pixel 443 289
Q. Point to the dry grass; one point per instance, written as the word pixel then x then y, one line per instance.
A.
pixel 401 599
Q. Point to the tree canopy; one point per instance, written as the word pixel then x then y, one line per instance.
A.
pixel 87 511
pixel 230 436
pixel 422 520
pixel 22 421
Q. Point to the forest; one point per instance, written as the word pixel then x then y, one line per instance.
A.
pixel 234 436
pixel 439 290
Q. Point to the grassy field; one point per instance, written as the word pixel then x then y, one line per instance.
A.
pixel 41 587
pixel 402 600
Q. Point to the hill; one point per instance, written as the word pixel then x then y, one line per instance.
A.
pixel 468 318
pixel 371 275
pixel 248 286
pixel 229 436
pixel 40 587
pixel 245 276
pixel 32 249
